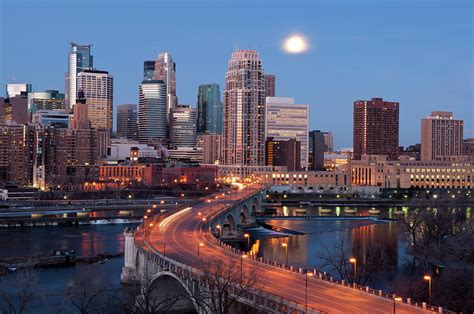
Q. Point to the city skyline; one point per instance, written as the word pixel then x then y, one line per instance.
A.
pixel 329 75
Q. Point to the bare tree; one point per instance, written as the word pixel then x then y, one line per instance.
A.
pixel 222 284
pixel 87 294
pixel 16 293
pixel 337 259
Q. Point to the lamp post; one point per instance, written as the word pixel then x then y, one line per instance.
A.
pixel 199 245
pixel 353 261
pixel 396 299
pixel 219 228
pixel 285 245
pixel 241 266
pixel 308 274
pixel 428 278
pixel 246 235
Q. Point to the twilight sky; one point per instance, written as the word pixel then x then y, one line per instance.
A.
pixel 419 53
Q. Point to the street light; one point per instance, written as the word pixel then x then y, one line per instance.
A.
pixel 428 278
pixel 285 245
pixel 308 274
pixel 246 235
pixel 353 260
pixel 241 265
pixel 396 299
pixel 218 227
pixel 199 245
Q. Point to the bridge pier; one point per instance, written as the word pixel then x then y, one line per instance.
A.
pixel 129 273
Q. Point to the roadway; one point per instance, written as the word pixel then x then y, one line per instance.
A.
pixel 182 235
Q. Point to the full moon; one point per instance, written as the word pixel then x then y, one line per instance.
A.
pixel 295 44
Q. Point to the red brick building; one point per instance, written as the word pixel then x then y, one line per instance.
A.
pixel 376 124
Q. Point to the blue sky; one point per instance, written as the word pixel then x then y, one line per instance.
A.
pixel 419 53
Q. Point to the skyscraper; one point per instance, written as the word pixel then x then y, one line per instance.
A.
pixel 16 89
pixel 148 70
pixel 80 59
pixel 152 111
pixel 98 89
pixel 183 127
pixel 209 107
pixel 376 125
pixel 165 70
pixel 285 120
pixel 211 147
pixel 47 100
pixel 244 110
pixel 270 85
pixel 328 141
pixel 80 117
pixel 441 136
pixel 316 150
pixel 127 116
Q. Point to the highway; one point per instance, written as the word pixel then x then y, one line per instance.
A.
pixel 182 235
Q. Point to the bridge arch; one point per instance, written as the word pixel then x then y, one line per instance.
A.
pixel 171 293
pixel 255 204
pixel 229 227
pixel 245 215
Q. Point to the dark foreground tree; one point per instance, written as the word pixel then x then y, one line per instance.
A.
pixel 17 290
pixel 223 284
pixel 336 259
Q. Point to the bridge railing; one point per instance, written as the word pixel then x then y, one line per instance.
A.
pixel 318 275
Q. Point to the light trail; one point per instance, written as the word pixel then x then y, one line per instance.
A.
pixel 168 219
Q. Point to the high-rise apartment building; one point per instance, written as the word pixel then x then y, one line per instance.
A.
pixel 316 150
pixel 376 124
pixel 441 136
pixel 17 89
pixel 98 89
pixel 80 116
pixel 209 107
pixel 47 100
pixel 285 153
pixel 79 59
pixel 244 110
pixel 127 118
pixel 16 154
pixel 285 120
pixel 270 85
pixel 165 70
pixel 183 121
pixel 152 112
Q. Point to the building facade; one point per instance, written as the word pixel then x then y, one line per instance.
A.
pixel 286 153
pixel 47 100
pixel 316 150
pixel 285 120
pixel 152 125
pixel 17 89
pixel 79 59
pixel 98 89
pixel 376 124
pixel 127 119
pixel 53 118
pixel 378 170
pixel 328 142
pixel 270 81
pixel 165 70
pixel 441 136
pixel 468 148
pixel 183 121
pixel 209 107
pixel 211 148
pixel 244 110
